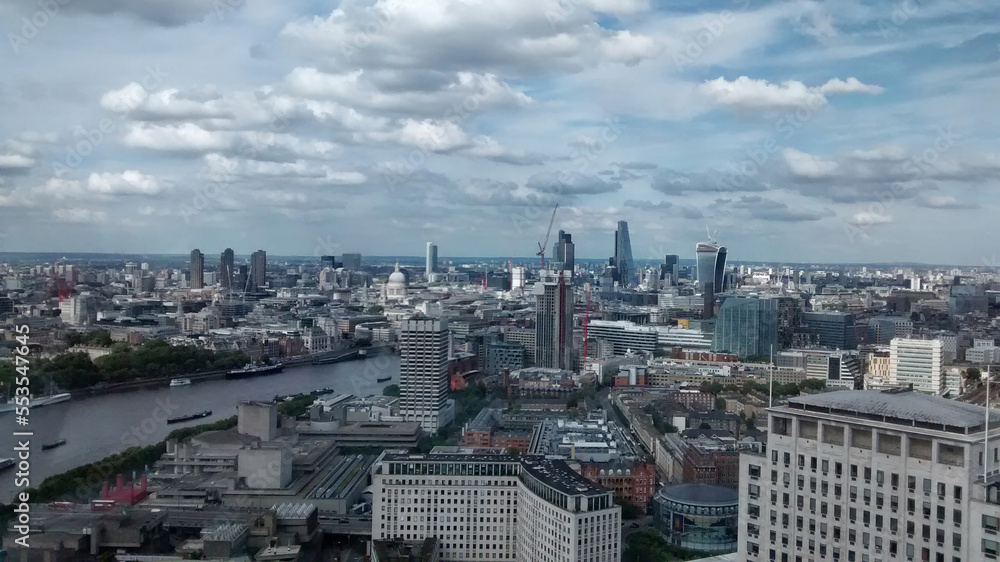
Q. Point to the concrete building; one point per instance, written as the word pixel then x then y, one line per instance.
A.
pixel 469 502
pixel 624 336
pixel 79 310
pixel 919 363
pixel 197 269
pixel 833 329
pixel 423 373
pixel 258 270
pixel 563 517
pixel 873 475
pixel 257 419
pixel 526 338
pixel 432 259
pixel 554 323
pixel 502 356
pixel 226 263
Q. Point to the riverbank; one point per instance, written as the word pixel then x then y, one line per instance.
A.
pixel 325 358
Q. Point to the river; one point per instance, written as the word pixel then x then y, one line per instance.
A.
pixel 103 425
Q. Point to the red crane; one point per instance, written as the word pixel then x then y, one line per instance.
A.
pixel 544 243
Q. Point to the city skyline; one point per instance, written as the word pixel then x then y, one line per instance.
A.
pixel 859 137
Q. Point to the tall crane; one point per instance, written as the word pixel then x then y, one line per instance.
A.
pixel 544 243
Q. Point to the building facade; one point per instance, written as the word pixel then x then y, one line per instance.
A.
pixel 197 269
pixel 554 324
pixel 873 475
pixel 747 326
pixel 919 363
pixel 423 373
pixel 698 517
pixel 258 269
pixel 563 517
pixel 469 502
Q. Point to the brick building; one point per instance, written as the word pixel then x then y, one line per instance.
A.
pixel 633 481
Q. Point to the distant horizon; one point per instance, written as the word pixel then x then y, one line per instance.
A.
pixel 421 258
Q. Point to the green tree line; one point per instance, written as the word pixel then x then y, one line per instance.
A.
pixel 153 359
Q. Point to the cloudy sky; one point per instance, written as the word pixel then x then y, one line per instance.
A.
pixel 842 130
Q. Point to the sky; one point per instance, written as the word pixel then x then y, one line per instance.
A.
pixel 800 131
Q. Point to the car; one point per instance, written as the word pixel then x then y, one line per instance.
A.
pixel 635 525
pixel 343 520
pixel 365 519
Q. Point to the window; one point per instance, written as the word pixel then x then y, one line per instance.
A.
pixel 991 524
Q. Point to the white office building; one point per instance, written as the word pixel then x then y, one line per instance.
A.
pixel 423 373
pixel 469 502
pixel 869 476
pixel 919 363
pixel 563 517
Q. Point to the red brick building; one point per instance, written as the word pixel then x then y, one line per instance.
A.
pixel 635 482
pixel 707 466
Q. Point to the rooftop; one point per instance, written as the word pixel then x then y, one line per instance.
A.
pixel 700 494
pixel 899 407
pixel 556 474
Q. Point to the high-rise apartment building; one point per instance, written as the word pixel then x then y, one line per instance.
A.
pixel 226 272
pixel 432 258
pixel 423 373
pixel 919 363
pixel 554 323
pixel 258 269
pixel 563 517
pixel 623 255
pixel 197 269
pixel 747 326
pixel 873 475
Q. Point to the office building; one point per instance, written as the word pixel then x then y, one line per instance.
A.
pixel 873 475
pixel 623 256
pixel 526 338
pixel 563 517
pixel 670 270
pixel 468 501
pixel 698 517
pixel 835 330
pixel 624 336
pixel 258 269
pixel 226 272
pixel 747 326
pixel 554 324
pixel 711 266
pixel 967 299
pixel 563 252
pixel 919 363
pixel 351 261
pixel 432 258
pixel 197 269
pixel 423 373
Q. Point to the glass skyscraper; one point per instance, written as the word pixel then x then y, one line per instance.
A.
pixel 711 268
pixel 623 255
pixel 747 326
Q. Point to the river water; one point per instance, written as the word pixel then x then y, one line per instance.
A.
pixel 103 425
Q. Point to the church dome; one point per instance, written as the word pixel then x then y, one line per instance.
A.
pixel 396 278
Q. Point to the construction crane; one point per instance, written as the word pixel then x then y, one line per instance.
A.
pixel 544 243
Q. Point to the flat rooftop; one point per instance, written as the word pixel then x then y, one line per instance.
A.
pixel 899 407
pixel 559 476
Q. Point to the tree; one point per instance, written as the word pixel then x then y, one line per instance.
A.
pixel 704 425
pixel 974 374
pixel 391 390
pixel 629 509
pixel 720 403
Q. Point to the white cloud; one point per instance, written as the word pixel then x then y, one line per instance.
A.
pixel 808 165
pixel 850 86
pixel 129 182
pixel 15 162
pixel 746 93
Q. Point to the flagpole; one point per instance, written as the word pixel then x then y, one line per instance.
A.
pixel 986 438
